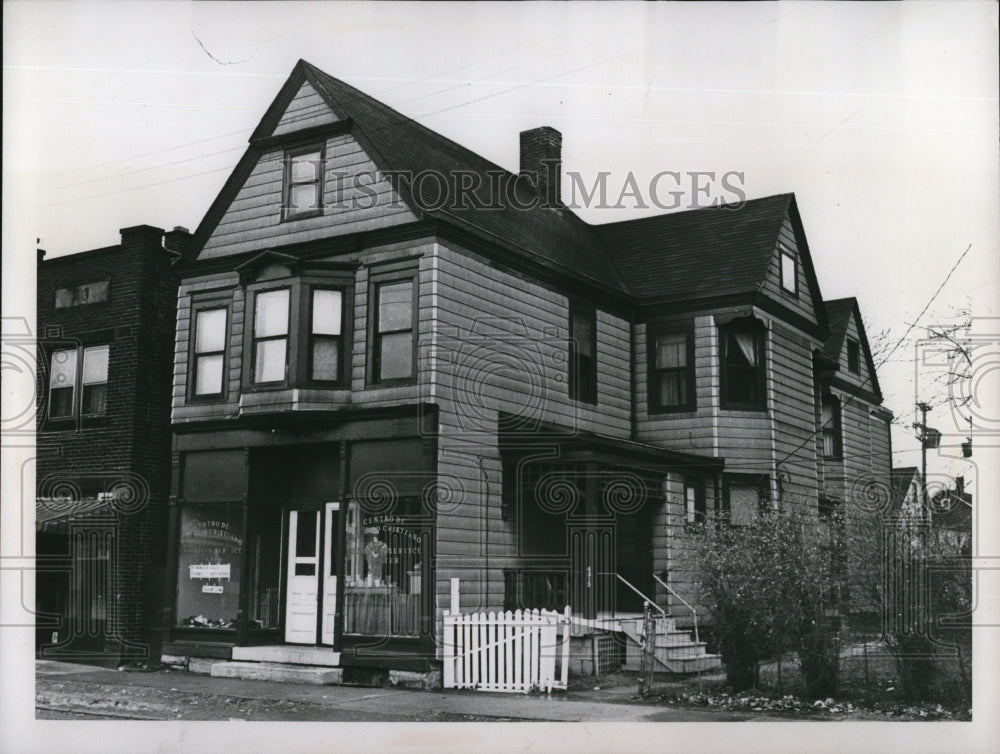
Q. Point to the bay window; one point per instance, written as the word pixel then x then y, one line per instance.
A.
pixel 741 344
pixel 326 324
pixel 209 352
pixel 270 336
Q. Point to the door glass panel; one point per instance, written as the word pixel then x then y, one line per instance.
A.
pixel 305 569
pixel 305 535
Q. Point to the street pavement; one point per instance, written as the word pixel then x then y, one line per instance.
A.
pixel 68 691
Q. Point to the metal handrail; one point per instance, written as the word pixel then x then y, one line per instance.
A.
pixel 647 599
pixel 684 602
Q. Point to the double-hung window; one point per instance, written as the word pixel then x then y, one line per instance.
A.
pixel 209 352
pixel 582 353
pixel 741 345
pixel 86 368
pixel 831 428
pixel 326 334
pixel 270 336
pixel 392 341
pixel 671 370
pixel 303 182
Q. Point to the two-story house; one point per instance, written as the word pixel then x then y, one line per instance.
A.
pixel 103 438
pixel 397 363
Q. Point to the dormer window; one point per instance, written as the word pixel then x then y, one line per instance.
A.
pixel 303 195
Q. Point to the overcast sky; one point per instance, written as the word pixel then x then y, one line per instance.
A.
pixel 881 118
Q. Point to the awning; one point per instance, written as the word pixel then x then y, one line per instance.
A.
pixel 54 515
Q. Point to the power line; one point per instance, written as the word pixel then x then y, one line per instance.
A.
pixel 856 392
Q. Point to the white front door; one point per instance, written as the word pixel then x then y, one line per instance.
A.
pixel 312 575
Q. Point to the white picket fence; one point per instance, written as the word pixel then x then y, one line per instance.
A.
pixel 510 651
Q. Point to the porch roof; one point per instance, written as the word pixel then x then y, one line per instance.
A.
pixel 577 445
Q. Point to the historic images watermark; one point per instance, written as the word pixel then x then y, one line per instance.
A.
pixel 496 189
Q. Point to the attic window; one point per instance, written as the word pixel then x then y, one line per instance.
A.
pixel 303 182
pixel 788 272
pixel 853 356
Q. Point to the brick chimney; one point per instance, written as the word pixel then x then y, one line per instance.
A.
pixel 541 157
pixel 144 237
pixel 176 240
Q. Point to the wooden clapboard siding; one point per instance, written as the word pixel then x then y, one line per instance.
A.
pixel 881 448
pixel 863 379
pixel 505 331
pixel 492 329
pixel 685 431
pixel 253 220
pixel 793 410
pixel 307 109
pixel 801 302
pixel 857 446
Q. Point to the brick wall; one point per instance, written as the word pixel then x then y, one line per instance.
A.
pixel 128 449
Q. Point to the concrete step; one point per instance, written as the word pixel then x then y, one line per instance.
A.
pixel 289 654
pixel 678 651
pixel 274 671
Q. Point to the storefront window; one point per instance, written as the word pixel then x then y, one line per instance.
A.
pixel 383 570
pixel 209 557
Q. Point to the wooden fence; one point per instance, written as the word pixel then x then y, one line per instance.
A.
pixel 508 651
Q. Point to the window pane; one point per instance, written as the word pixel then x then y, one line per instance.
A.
pixel 673 389
pixel 210 332
pixel 95 365
pixel 325 358
pixel 743 504
pixel 788 272
pixel 396 356
pixel 208 375
pixel 305 167
pixel 326 312
pixel 209 555
pixel 583 332
pixel 61 402
pixel 671 350
pixel 305 534
pixel 304 197
pixel 395 306
pixel 269 364
pixel 63 371
pixel 95 399
pixel 271 316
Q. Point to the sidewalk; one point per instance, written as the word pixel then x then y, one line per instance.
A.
pixel 67 691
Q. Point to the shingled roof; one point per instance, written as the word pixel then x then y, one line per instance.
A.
pixel 712 251
pixel 551 236
pixel 701 253
pixel 838 316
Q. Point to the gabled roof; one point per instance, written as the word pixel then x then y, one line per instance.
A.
pixel 838 314
pixel 666 255
pixel 901 479
pixel 552 237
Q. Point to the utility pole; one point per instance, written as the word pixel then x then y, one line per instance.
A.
pixel 929 438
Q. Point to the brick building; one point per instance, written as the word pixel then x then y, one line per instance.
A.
pixel 103 439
